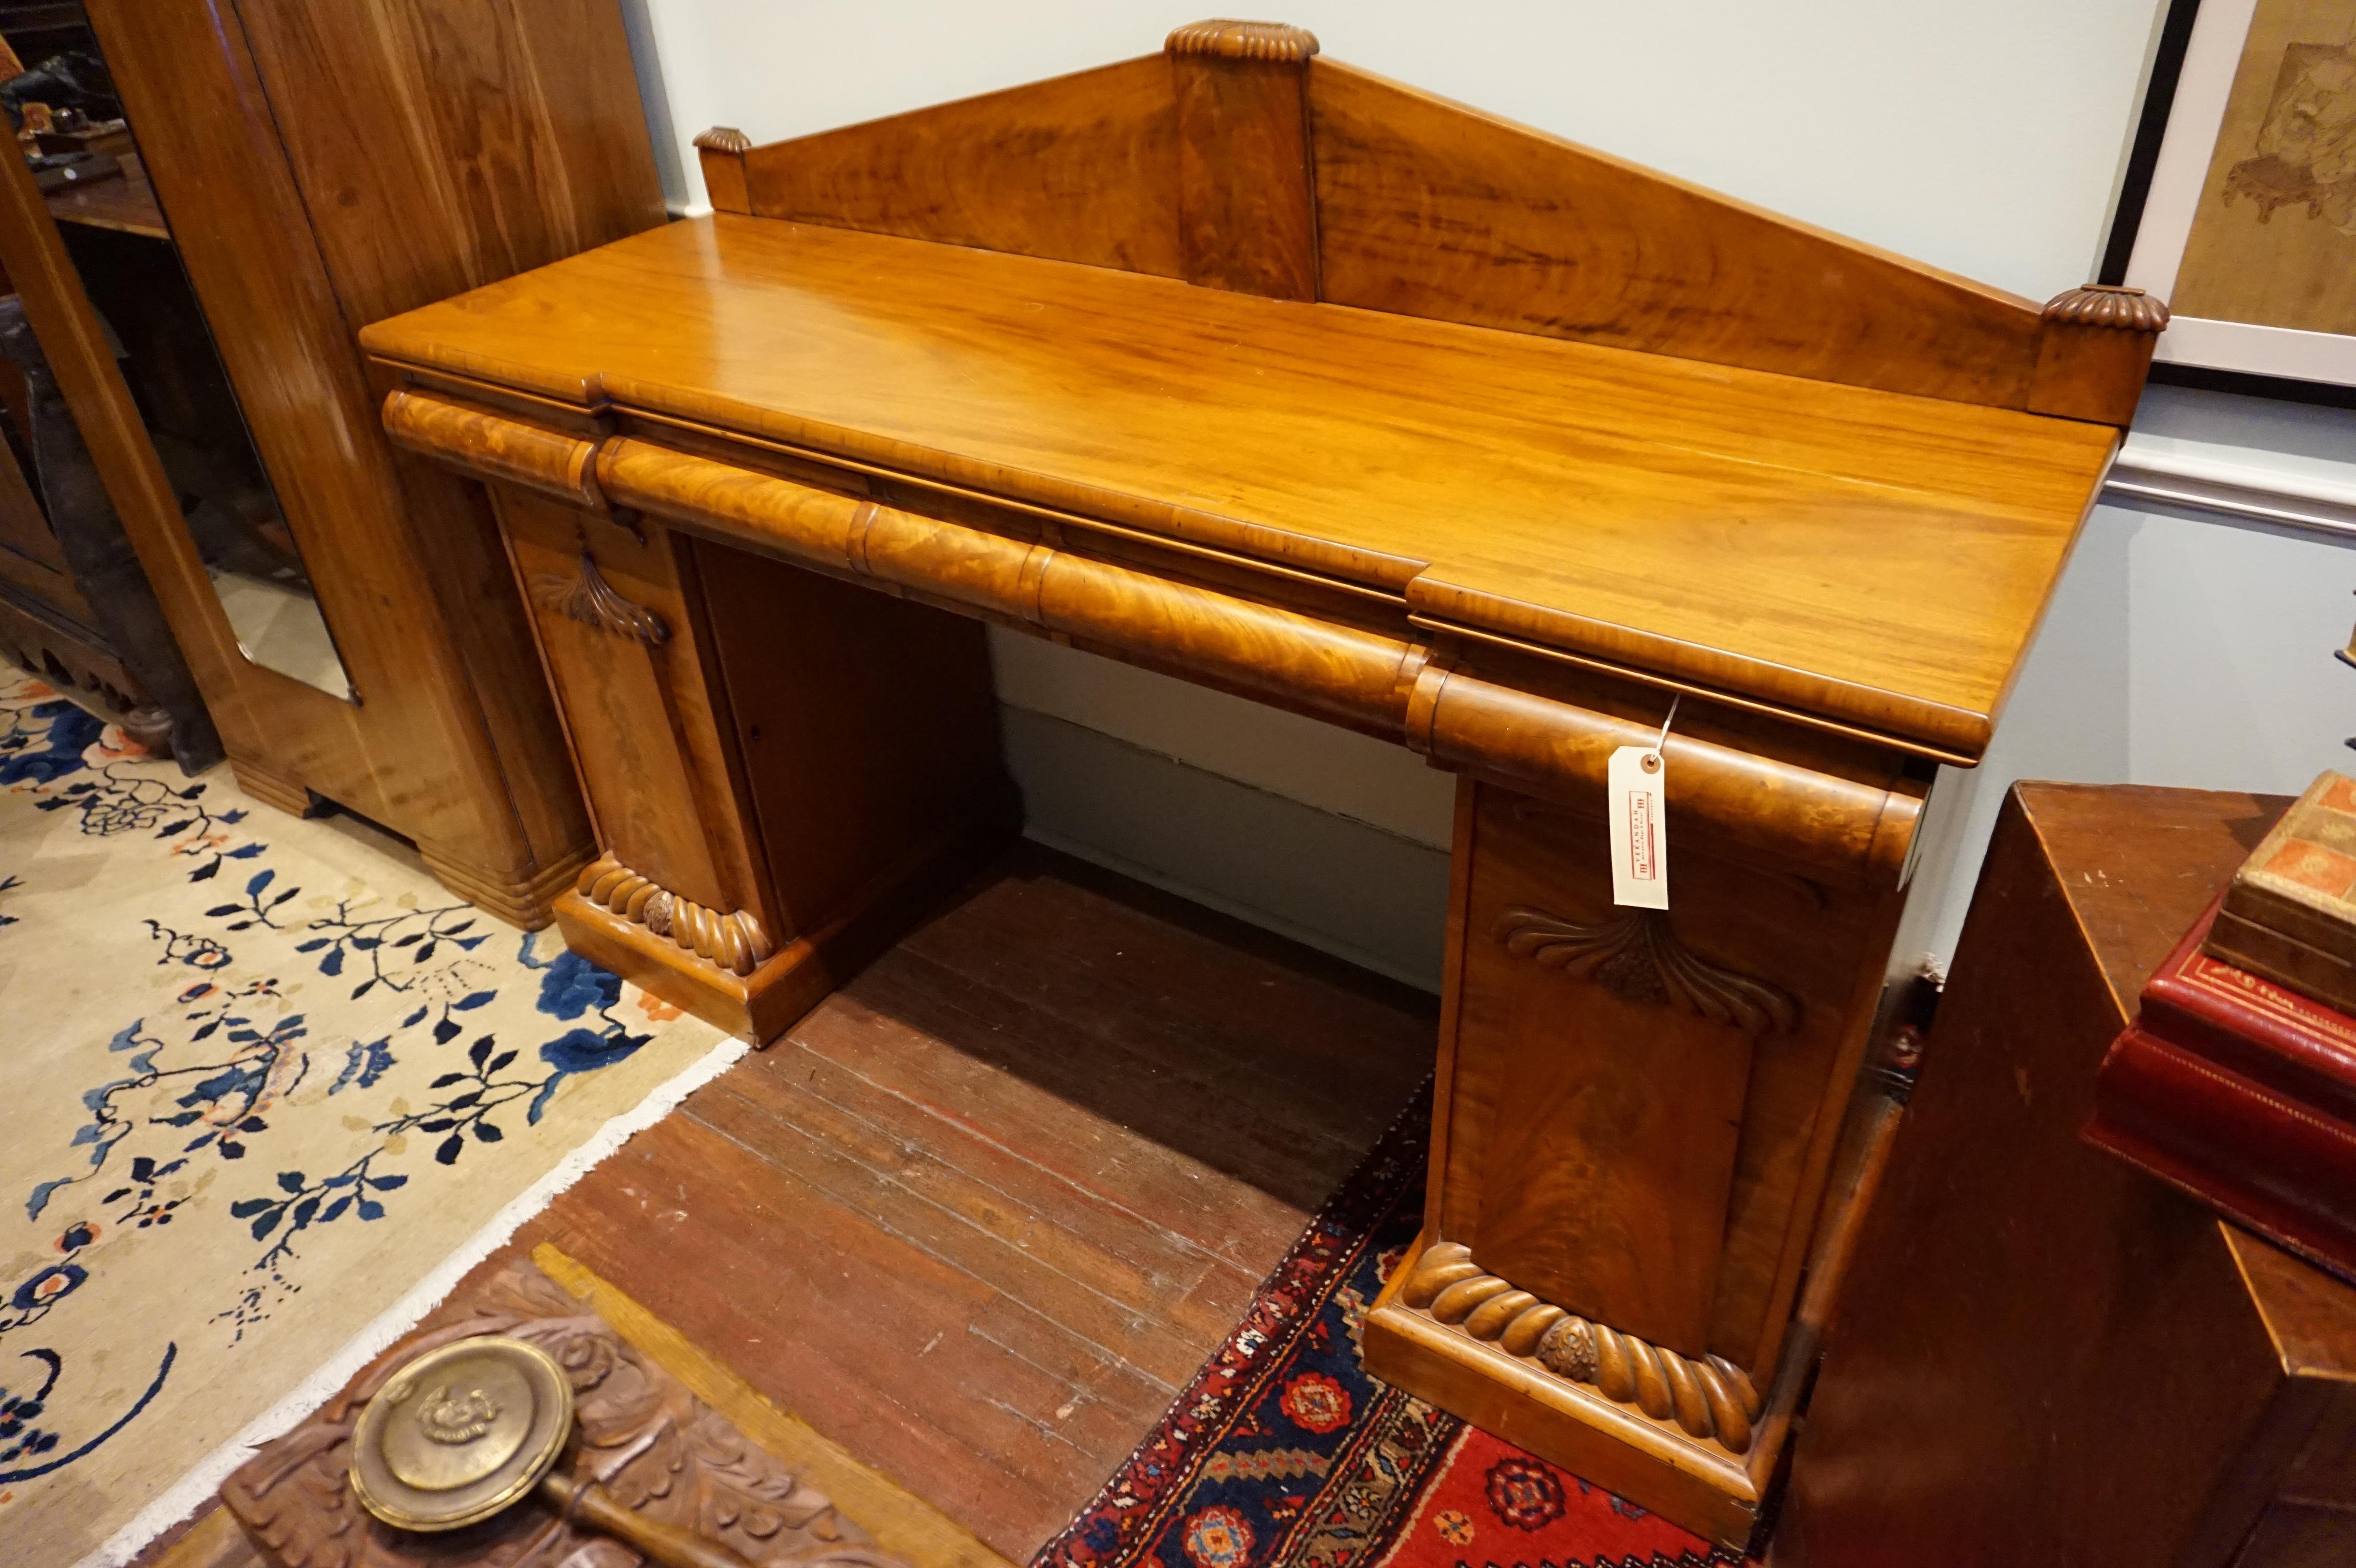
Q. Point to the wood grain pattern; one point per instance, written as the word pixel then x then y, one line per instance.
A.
pixel 899 1521
pixel 762 834
pixel 553 463
pixel 80 354
pixel 2020 1301
pixel 1634 507
pixel 1842 810
pixel 1077 169
pixel 1642 1167
pixel 1417 197
pixel 1675 1451
pixel 655 758
pixel 519 900
pixel 448 144
pixel 428 145
pixel 895 748
pixel 1420 207
pixel 1246 213
pixel 1631 439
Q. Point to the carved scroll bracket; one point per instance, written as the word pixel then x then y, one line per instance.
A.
pixel 1637 956
pixel 734 942
pixel 1711 1399
pixel 592 601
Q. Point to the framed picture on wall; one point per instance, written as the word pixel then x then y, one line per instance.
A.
pixel 2239 207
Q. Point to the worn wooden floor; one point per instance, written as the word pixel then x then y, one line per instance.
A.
pixel 981 1214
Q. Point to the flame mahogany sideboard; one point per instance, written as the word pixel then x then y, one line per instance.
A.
pixel 1260 371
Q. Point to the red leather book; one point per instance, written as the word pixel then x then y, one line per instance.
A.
pixel 2243 1094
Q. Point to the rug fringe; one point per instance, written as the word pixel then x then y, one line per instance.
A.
pixel 190 1493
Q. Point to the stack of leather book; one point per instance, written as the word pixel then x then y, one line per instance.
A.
pixel 2236 1083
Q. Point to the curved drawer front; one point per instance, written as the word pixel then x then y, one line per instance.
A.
pixel 1851 828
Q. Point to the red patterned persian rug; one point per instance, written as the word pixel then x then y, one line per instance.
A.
pixel 1283 1452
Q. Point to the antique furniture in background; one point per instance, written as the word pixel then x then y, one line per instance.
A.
pixel 317 166
pixel 2236 1081
pixel 2042 1355
pixel 74 604
pixel 1072 357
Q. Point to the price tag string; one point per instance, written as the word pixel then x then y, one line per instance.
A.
pixel 1653 757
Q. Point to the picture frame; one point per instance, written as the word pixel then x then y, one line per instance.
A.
pixel 2238 204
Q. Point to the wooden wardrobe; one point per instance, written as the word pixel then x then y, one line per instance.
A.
pixel 322 164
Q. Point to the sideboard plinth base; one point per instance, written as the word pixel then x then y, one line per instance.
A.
pixel 1693 1485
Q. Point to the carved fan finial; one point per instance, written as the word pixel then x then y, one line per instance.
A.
pixel 724 139
pixel 1243 41
pixel 2109 304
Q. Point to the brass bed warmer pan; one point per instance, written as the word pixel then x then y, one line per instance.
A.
pixel 466 1431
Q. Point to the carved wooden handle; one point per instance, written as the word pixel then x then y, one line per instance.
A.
pixel 665 1545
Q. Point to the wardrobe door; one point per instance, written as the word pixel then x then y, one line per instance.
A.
pixel 306 168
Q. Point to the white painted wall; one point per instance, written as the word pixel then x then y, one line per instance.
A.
pixel 2179 649
pixel 1985 138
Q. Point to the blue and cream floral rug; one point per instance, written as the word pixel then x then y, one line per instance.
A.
pixel 266 1091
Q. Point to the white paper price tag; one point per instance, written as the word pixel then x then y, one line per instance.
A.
pixel 1639 827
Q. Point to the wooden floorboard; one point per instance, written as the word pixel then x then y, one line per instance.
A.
pixel 984 1211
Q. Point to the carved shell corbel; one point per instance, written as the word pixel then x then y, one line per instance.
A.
pixel 1637 956
pixel 592 601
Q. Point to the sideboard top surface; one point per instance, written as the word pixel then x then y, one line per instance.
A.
pixel 1871 556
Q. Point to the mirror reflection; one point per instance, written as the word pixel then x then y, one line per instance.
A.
pixel 70 125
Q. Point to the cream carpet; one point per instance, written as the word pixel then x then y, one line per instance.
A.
pixel 267 1090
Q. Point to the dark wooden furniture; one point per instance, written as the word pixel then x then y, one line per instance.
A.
pixel 124 204
pixel 1075 358
pixel 2044 1356
pixel 318 165
pixel 75 605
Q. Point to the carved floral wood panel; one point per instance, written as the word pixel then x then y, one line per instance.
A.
pixel 655 1447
